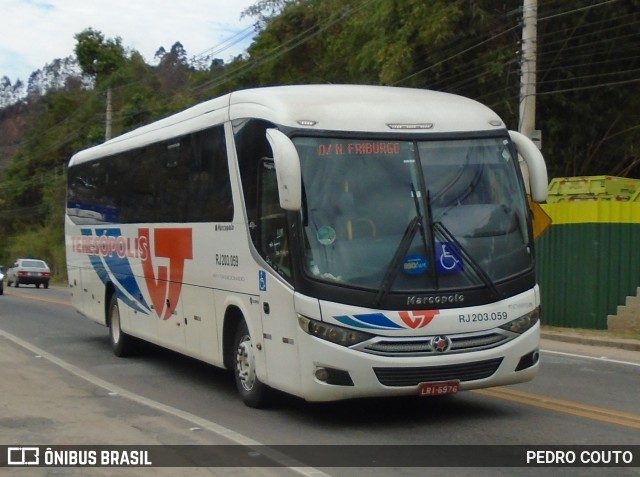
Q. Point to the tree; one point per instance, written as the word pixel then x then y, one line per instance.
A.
pixel 266 10
pixel 588 95
pixel 10 93
pixel 97 56
pixel 173 67
pixel 465 47
pixel 60 74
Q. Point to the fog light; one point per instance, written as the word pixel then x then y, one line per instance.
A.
pixel 335 377
pixel 322 374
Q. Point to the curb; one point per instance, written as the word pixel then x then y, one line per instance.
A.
pixel 620 343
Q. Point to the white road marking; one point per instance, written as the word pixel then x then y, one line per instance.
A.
pixel 597 358
pixel 211 426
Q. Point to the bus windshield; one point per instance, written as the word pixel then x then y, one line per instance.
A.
pixel 413 216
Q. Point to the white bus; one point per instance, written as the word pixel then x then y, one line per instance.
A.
pixel 328 241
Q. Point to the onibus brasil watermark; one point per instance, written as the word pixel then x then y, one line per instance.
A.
pixel 321 456
pixel 50 457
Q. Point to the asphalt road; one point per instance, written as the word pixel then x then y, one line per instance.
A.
pixel 62 385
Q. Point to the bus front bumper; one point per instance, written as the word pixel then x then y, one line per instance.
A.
pixel 333 372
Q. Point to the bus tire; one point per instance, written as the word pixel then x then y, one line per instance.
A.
pixel 121 343
pixel 253 392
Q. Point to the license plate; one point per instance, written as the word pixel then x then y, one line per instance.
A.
pixel 440 388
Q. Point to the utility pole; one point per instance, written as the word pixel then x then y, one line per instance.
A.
pixel 109 116
pixel 528 72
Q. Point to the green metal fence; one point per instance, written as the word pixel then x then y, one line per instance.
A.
pixel 589 260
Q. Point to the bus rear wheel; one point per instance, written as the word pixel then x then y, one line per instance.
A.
pixel 253 392
pixel 121 343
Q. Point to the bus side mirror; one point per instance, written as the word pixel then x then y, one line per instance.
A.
pixel 538 180
pixel 287 162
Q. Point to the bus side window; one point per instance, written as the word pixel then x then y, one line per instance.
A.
pixel 209 183
pixel 272 220
pixel 251 145
pixel 267 221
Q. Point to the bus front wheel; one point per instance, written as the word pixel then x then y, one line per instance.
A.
pixel 121 343
pixel 253 392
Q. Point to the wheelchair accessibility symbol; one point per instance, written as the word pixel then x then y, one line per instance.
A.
pixel 447 259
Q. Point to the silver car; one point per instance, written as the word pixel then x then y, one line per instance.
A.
pixel 28 271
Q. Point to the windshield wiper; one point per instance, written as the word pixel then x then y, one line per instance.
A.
pixel 466 257
pixel 432 241
pixel 428 241
pixel 407 239
pixel 438 226
pixel 394 266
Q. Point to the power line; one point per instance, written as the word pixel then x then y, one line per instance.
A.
pixel 581 9
pixel 233 40
pixel 587 87
pixel 286 47
pixel 452 51
pixel 460 53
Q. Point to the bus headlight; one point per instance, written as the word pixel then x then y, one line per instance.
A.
pixel 525 322
pixel 335 334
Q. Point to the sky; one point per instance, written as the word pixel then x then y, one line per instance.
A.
pixel 35 32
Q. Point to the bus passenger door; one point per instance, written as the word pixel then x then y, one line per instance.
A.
pixel 279 321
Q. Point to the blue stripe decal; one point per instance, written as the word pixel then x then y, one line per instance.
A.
pixel 375 321
pixel 120 268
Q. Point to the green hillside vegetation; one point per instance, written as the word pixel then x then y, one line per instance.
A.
pixel 588 100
